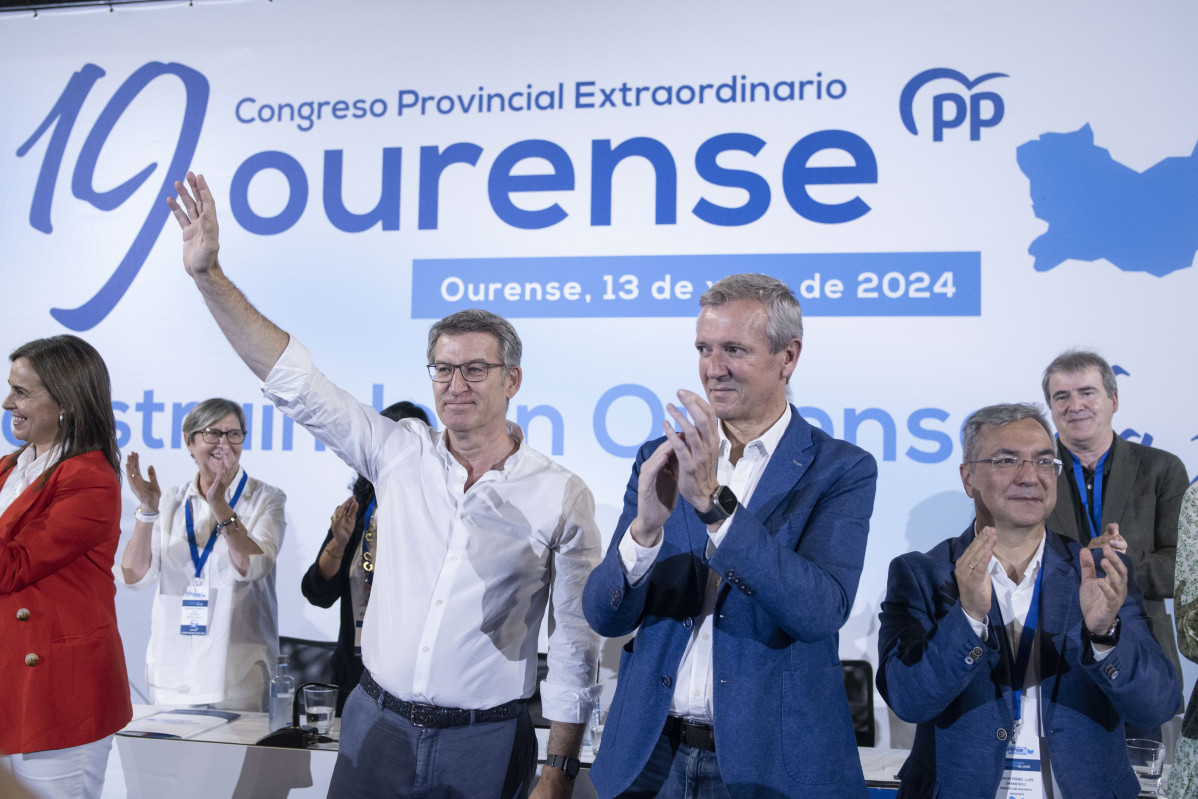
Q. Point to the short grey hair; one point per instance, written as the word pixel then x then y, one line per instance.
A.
pixel 1074 361
pixel 208 413
pixel 476 320
pixel 784 316
pixel 997 416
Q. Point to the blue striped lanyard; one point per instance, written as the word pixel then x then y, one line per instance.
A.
pixel 1018 661
pixel 196 558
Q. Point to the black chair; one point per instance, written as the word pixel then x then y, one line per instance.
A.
pixel 310 661
pixel 859 685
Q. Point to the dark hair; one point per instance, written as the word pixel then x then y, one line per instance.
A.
pixel 208 413
pixel 784 317
pixel 997 416
pixel 362 488
pixel 1074 361
pixel 475 320
pixel 76 378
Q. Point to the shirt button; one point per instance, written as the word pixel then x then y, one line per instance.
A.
pixel 453 558
pixel 23 614
pixel 424 649
pixel 666 681
pixel 1001 733
pixel 440 601
pixel 31 659
pixel 688 623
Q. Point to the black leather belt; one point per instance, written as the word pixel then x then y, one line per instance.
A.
pixel 689 733
pixel 436 716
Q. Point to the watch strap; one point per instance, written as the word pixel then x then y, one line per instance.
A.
pixel 568 765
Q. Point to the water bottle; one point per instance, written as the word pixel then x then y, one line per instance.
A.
pixel 282 695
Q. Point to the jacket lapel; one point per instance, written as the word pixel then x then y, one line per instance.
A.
pixel 787 465
pixel 18 507
pixel 1124 466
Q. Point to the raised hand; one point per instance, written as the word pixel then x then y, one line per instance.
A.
pixel 696 449
pixel 342 523
pixel 147 492
pixel 656 495
pixel 222 476
pixel 1101 597
pixel 973 574
pixel 196 214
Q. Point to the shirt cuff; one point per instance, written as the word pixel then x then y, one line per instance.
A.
pixel 980 628
pixel 636 559
pixel 568 704
pixel 290 373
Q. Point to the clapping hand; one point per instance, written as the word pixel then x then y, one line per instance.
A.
pixel 973 574
pixel 1101 597
pixel 147 491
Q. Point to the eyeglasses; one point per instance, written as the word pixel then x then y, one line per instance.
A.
pixel 1043 466
pixel 473 372
pixel 212 435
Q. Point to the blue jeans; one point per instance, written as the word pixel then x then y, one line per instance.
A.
pixel 381 754
pixel 682 773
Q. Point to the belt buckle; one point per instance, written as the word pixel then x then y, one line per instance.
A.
pixel 424 715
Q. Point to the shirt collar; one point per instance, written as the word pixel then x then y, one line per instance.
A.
pixel 513 430
pixel 766 443
pixel 1029 574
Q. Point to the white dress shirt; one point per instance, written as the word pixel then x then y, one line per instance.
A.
pixel 27 469
pixel 462 577
pixel 232 664
pixel 693 698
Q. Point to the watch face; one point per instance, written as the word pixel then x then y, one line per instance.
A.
pixel 726 499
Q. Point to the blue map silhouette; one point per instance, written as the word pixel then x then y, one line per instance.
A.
pixel 1096 207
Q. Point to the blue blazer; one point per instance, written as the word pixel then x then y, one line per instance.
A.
pixel 934 671
pixel 790 563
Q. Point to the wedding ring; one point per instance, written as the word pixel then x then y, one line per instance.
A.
pixel 973 564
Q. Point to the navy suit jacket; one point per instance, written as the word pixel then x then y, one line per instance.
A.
pixel 934 671
pixel 790 563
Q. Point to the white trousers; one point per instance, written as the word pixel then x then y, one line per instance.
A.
pixel 73 773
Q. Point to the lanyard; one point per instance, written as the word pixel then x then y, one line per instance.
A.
pixel 1018 661
pixel 367 560
pixel 196 558
pixel 1093 516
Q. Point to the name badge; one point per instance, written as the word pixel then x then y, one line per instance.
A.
pixel 1022 777
pixel 194 606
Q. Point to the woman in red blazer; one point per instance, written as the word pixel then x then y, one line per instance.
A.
pixel 62 666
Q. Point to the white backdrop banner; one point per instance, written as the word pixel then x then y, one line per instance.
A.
pixel 957 194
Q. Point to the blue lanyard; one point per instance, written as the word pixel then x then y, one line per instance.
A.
pixel 366 541
pixel 1018 662
pixel 196 558
pixel 1093 516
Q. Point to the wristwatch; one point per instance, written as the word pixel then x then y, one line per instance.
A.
pixel 723 504
pixel 568 765
pixel 1110 638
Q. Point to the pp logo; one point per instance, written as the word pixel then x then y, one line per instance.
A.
pixel 950 109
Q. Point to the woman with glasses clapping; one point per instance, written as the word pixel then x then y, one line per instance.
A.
pixel 210 545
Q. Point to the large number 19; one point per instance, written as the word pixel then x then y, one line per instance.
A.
pixel 62 120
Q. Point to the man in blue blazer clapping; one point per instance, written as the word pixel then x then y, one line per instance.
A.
pixel 736 561
pixel 1018 654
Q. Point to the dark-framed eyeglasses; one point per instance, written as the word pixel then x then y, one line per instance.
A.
pixel 213 436
pixel 472 372
pixel 1043 466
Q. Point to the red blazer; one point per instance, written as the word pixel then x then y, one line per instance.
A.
pixel 62 665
